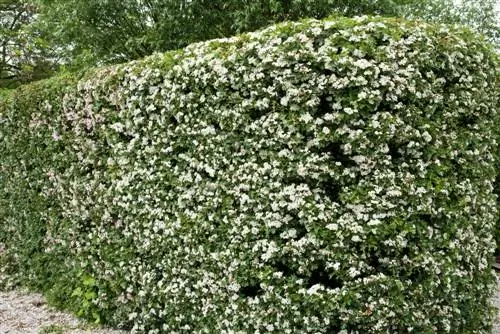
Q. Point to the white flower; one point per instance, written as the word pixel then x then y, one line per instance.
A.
pixel 332 227
pixel 314 289
pixel 306 117
pixel 349 111
pixel 427 137
pixel 374 222
pixel 362 63
pixel 356 238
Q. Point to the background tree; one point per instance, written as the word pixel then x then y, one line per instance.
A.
pixel 94 32
pixel 24 53
pixel 480 15
pixel 108 31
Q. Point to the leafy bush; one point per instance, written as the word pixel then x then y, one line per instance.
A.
pixel 327 176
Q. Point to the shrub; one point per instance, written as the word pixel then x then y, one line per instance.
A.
pixel 327 176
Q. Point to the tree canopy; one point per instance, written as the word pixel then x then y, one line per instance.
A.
pixel 110 30
pixel 24 53
pixel 100 31
pixel 37 36
pixel 480 15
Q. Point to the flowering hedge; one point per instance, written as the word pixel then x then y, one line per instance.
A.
pixel 327 176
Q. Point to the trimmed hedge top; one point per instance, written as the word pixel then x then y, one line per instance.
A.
pixel 327 176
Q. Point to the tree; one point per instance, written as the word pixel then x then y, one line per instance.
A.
pixel 480 15
pixel 100 31
pixel 24 54
pixel 109 31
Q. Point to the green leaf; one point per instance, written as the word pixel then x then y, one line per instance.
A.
pixel 88 280
pixel 77 292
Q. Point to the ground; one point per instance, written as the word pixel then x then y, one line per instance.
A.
pixel 27 313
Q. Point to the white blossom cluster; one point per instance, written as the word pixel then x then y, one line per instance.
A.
pixel 327 176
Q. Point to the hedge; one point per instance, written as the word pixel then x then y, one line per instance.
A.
pixel 331 176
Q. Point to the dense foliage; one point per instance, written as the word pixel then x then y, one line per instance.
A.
pixel 40 37
pixel 318 177
pixel 96 31
pixel 24 54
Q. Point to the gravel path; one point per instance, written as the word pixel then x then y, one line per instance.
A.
pixel 27 313
pixel 496 302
